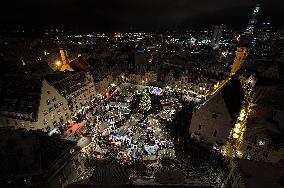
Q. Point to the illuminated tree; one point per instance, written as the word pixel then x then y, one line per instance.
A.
pixel 145 102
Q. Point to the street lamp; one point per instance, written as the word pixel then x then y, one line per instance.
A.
pixel 58 63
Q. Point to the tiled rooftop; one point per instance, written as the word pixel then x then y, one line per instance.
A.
pixel 20 94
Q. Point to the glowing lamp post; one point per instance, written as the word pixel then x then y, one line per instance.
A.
pixel 58 63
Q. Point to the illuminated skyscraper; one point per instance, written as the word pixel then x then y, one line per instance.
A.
pixel 253 20
pixel 217 33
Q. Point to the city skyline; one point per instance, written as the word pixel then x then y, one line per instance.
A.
pixel 141 15
pixel 136 93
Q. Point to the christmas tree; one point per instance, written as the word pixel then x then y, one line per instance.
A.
pixel 145 102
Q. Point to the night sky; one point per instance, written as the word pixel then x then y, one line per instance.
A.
pixel 136 14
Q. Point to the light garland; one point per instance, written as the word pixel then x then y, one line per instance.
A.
pixel 236 137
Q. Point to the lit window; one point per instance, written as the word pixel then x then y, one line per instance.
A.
pixel 47 102
pixel 261 143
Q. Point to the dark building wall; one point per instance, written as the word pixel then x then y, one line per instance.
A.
pixel 217 116
pixel 233 96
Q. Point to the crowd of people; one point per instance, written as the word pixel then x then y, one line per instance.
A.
pixel 142 137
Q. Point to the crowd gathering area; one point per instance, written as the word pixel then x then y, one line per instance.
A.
pixel 138 125
pixel 131 123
